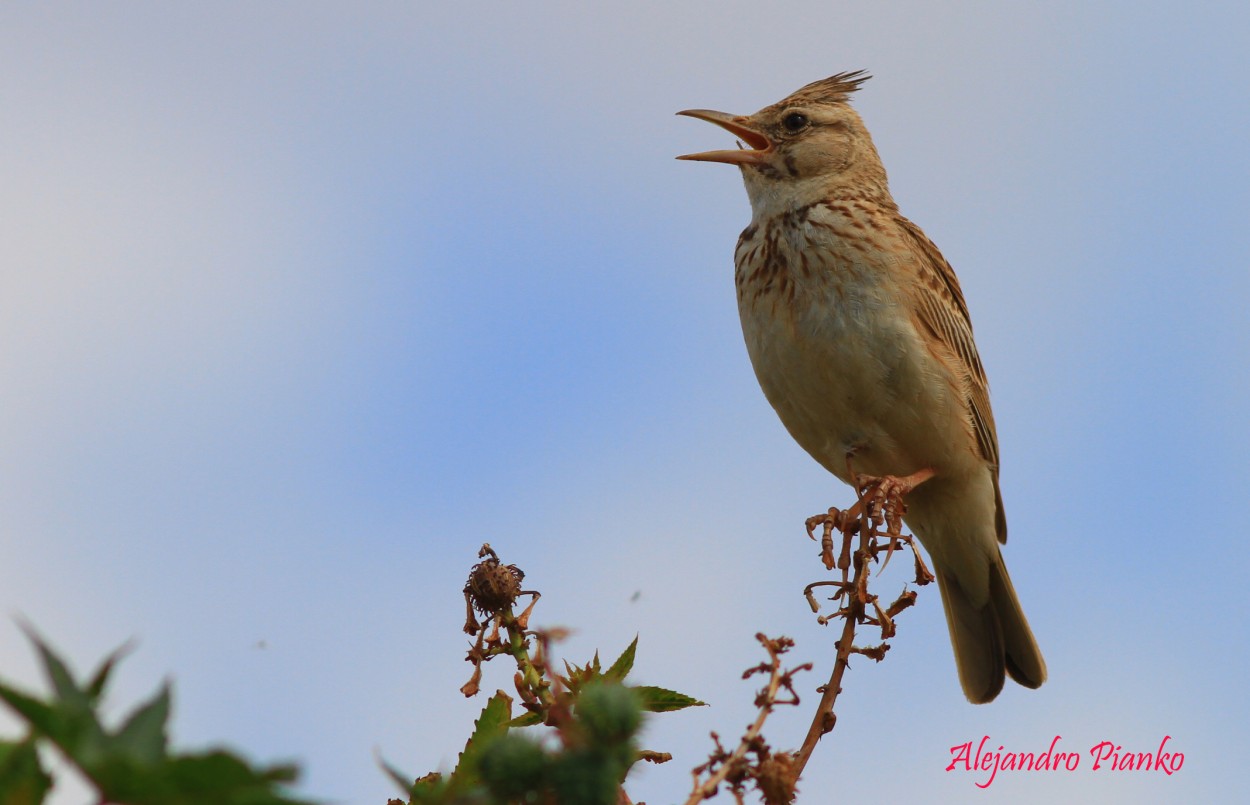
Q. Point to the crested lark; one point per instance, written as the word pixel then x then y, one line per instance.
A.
pixel 861 340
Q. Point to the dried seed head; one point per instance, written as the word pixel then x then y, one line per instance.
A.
pixel 493 587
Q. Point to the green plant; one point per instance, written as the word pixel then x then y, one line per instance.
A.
pixel 591 713
pixel 129 764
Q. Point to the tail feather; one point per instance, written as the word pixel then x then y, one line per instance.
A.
pixel 992 640
pixel 1024 658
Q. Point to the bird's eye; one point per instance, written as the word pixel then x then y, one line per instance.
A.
pixel 794 122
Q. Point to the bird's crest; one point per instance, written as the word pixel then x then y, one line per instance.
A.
pixel 834 89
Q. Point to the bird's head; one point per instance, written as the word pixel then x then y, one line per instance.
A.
pixel 806 147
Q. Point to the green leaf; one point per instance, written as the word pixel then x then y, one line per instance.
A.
pixel 661 700
pixel 22 780
pixel 143 735
pixel 131 764
pixel 215 777
pixel 72 727
pixel 39 715
pixel 406 783
pixel 95 688
pixel 68 720
pixel 492 723
pixel 63 685
pixel 624 663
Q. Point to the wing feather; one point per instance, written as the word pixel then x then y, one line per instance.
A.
pixel 943 312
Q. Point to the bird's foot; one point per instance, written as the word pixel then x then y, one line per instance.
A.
pixel 846 524
pixel 881 503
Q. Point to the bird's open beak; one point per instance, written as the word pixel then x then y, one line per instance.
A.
pixel 758 147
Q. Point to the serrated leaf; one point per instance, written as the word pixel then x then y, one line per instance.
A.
pixel 594 665
pixel 22 780
pixel 662 700
pixel 527 720
pixel 492 723
pixel 143 736
pixel 624 663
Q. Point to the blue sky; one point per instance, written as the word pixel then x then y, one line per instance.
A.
pixel 303 302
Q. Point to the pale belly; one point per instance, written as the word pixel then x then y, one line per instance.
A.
pixel 848 375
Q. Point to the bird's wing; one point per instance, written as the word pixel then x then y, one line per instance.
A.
pixel 944 314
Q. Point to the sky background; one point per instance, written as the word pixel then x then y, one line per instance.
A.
pixel 301 303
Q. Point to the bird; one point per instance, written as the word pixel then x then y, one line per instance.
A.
pixel 861 340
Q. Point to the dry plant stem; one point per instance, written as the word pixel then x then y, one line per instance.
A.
pixel 880 502
pixel 707 788
pixel 822 722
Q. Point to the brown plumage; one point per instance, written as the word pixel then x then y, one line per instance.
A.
pixel 861 340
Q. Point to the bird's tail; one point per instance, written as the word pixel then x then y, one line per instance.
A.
pixel 992 640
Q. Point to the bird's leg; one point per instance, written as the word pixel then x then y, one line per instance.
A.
pixel 872 488
pixel 893 485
